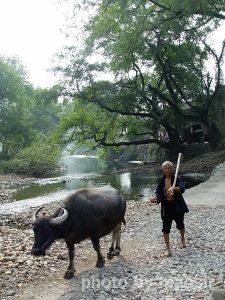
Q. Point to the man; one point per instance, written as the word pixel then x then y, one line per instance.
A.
pixel 173 206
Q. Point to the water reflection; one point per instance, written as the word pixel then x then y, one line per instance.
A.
pixel 132 185
pixel 125 181
pixel 82 172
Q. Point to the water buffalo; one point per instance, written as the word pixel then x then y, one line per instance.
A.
pixel 86 214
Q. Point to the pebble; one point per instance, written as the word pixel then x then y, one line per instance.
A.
pixel 10 293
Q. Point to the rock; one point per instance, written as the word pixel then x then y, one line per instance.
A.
pixel 10 293
pixel 2 258
pixel 61 257
pixel 29 263
pixel 215 272
pixel 218 294
pixel 218 283
pixel 23 247
pixel 102 296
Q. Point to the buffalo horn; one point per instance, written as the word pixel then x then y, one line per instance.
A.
pixel 60 219
pixel 35 216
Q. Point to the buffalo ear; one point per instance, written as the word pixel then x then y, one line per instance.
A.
pixel 57 213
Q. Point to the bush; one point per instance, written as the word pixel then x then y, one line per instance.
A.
pixel 3 166
pixel 37 160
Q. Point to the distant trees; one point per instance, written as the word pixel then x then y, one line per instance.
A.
pixel 28 117
pixel 157 52
pixel 40 158
pixel 15 125
pixel 45 109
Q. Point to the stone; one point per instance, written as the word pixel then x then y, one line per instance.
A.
pixel 10 293
pixel 215 272
pixel 218 283
pixel 218 294
pixel 61 257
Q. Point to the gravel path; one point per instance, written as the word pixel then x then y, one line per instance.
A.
pixel 141 272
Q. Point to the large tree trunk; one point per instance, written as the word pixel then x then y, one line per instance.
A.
pixel 174 142
pixel 176 148
pixel 213 134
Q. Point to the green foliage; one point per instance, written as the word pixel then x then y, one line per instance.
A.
pixel 40 159
pixel 44 109
pixel 25 112
pixel 15 127
pixel 158 52
pixel 86 124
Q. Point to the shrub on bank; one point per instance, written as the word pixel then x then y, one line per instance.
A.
pixel 3 166
pixel 37 160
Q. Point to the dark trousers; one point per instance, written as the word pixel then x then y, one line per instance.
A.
pixel 169 214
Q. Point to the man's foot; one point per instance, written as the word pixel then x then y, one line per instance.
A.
pixel 168 253
pixel 183 243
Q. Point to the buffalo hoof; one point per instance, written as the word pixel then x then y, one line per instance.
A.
pixel 100 263
pixel 110 255
pixel 116 252
pixel 69 274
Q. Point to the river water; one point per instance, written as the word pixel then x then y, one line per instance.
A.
pixel 83 171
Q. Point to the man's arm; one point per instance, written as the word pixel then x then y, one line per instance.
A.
pixel 180 188
pixel 156 198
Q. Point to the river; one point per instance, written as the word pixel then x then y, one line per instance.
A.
pixel 83 171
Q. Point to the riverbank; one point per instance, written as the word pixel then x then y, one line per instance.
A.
pixel 9 183
pixel 198 168
pixel 210 193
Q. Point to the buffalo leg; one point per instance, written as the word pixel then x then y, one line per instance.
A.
pixel 71 269
pixel 115 240
pixel 100 258
pixel 110 254
pixel 118 237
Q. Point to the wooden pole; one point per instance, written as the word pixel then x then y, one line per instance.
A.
pixel 177 169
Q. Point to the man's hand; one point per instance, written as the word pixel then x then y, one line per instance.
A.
pixel 153 199
pixel 171 190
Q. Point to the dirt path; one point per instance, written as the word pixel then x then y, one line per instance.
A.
pixel 58 287
pixel 141 272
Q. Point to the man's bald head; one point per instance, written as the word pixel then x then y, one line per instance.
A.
pixel 167 163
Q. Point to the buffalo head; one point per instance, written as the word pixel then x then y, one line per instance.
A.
pixel 44 230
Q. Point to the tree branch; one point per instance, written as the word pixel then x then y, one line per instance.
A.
pixel 218 60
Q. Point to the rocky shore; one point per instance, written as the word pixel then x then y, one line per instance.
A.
pixel 140 272
pixel 9 184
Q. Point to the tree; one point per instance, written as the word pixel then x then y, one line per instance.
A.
pixel 88 123
pixel 15 130
pixel 39 159
pixel 45 109
pixel 158 52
